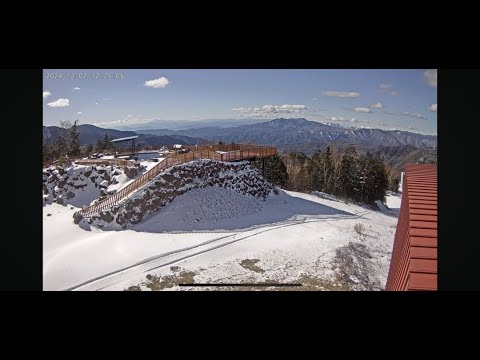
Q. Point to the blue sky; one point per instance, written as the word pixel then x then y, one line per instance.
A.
pixel 385 99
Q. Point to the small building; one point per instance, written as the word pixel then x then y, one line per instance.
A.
pixel 177 147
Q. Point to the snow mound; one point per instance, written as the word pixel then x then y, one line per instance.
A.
pixel 166 186
pixel 219 209
pixel 209 205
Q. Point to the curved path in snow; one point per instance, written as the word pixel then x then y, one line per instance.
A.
pixel 171 257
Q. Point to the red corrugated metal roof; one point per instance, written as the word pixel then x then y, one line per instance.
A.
pixel 414 257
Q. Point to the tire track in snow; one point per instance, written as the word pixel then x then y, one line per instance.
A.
pixel 178 251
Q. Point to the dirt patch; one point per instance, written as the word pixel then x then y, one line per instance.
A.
pixel 157 283
pixel 133 288
pixel 249 264
pixel 352 267
pixel 309 283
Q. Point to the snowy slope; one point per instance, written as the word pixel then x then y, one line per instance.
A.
pixel 209 232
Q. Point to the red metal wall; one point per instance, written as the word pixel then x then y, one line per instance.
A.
pixel 414 257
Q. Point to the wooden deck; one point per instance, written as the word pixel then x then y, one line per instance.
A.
pixel 219 152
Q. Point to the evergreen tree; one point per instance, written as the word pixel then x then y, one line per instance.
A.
pixel 315 169
pixel 380 182
pixel 89 149
pixel 74 146
pixel 105 142
pixel 275 170
pixel 348 179
pixel 328 172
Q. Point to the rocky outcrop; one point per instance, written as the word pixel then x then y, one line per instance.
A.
pixel 175 181
pixel 62 185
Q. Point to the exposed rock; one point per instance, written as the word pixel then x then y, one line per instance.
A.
pixel 131 172
pixel 106 216
pixel 77 217
pixel 173 182
pixel 69 195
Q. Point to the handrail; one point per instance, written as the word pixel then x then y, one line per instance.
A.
pixel 112 200
pixel 118 162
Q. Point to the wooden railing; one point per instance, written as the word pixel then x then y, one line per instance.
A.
pixel 414 257
pixel 171 160
pixel 118 162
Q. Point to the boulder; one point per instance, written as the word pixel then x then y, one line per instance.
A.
pixel 131 172
pixel 69 195
pixel 77 217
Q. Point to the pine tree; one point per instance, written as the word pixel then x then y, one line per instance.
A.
pixel 348 178
pixel 275 170
pixel 328 172
pixel 89 149
pixel 380 183
pixel 315 169
pixel 74 146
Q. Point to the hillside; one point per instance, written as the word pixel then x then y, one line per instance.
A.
pixel 283 132
pixel 215 234
pixel 89 134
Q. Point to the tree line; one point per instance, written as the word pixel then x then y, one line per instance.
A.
pixel 348 175
pixel 64 144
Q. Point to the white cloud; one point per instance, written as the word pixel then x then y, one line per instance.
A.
pixel 79 113
pixel 59 103
pixel 243 109
pixel 430 77
pixel 129 115
pixel 362 109
pixel 342 94
pixel 433 107
pixel 157 83
pixel 46 94
pixel 270 110
pixel 414 115
pixel 335 118
pixel 387 89
pixel 377 105
pixel 96 103
pixel 76 88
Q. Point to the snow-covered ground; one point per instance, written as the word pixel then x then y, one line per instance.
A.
pixel 393 202
pixel 123 180
pixel 216 234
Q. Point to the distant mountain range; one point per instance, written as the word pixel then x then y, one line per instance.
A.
pixel 89 134
pixel 187 124
pixel 286 132
pixel 398 147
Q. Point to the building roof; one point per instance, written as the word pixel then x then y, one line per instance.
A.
pixel 177 146
pixel 124 139
pixel 414 257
